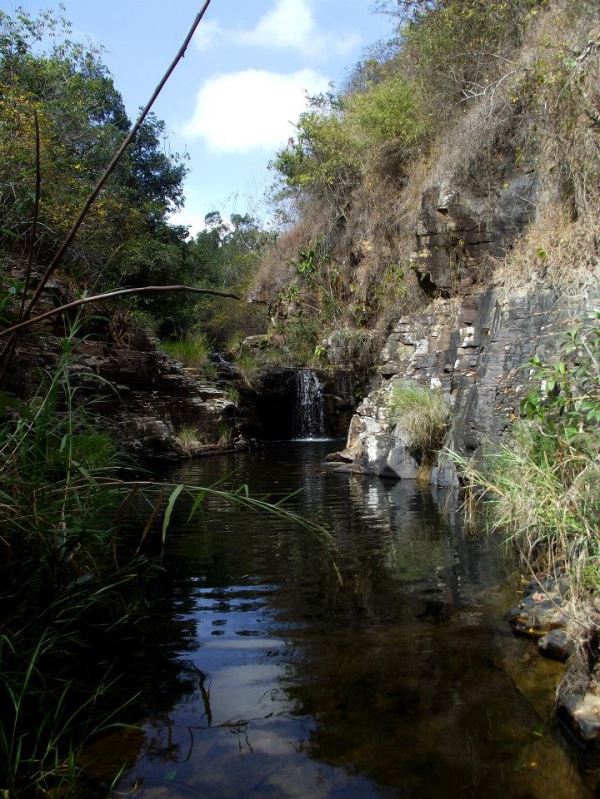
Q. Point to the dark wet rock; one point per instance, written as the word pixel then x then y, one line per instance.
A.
pixel 148 397
pixel 578 694
pixel 538 614
pixel 549 584
pixel 581 713
pixel 556 645
pixel 338 457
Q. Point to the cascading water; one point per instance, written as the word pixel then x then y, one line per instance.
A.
pixel 309 408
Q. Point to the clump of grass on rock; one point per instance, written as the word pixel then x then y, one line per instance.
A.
pixel 192 351
pixel 422 412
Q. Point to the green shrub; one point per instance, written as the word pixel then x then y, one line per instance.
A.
pixel 420 411
pixel 387 111
pixel 457 47
pixel 324 154
pixel 336 136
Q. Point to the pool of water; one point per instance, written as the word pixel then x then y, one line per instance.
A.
pixel 268 677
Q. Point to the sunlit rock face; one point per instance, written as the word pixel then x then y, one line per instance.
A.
pixel 458 229
pixel 474 339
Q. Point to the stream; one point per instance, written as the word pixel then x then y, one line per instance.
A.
pixel 266 677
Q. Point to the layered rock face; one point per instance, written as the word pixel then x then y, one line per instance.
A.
pixel 474 340
pixel 147 398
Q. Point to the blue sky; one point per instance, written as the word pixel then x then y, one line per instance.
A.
pixel 244 79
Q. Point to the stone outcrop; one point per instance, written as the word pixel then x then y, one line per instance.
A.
pixel 472 342
pixel 474 349
pixel 147 398
pixel 458 230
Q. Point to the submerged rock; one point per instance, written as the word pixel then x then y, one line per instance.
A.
pixel 556 645
pixel 542 609
pixel 581 713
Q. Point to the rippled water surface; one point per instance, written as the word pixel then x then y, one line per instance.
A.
pixel 266 677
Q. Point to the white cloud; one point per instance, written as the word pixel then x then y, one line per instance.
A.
pixel 252 109
pixel 288 25
pixel 207 35
pixel 190 219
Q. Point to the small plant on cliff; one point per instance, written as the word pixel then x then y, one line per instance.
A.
pixel 189 439
pixel 422 412
pixel 542 489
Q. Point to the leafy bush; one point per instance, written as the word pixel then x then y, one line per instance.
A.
pixel 324 154
pixel 387 111
pixel 456 48
pixel 420 411
pixel 61 87
pixel 336 136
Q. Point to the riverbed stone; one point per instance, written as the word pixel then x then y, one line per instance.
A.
pixel 538 614
pixel 556 645
pixel 582 715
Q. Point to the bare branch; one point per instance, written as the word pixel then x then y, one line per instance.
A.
pixel 36 214
pixel 108 295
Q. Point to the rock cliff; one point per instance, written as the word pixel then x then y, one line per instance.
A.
pixel 474 339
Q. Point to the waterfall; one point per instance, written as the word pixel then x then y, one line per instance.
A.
pixel 309 408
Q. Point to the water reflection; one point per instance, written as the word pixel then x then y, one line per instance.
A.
pixel 402 681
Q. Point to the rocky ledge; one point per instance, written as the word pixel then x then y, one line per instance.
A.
pixel 153 405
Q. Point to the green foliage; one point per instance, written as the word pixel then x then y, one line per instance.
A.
pixel 421 412
pixel 54 570
pixel 454 47
pixel 543 488
pixel 125 240
pixel 307 261
pixel 336 138
pixel 565 401
pixel 8 298
pixel 324 154
pixel 390 110
pixel 233 395
pixel 225 256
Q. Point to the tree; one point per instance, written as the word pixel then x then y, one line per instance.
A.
pixel 82 121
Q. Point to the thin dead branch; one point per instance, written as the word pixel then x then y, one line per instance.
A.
pixel 108 295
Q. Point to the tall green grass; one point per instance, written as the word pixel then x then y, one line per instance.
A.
pixel 192 351
pixel 422 413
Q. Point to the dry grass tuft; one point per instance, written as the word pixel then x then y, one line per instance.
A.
pixel 421 412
